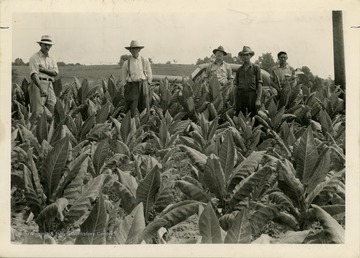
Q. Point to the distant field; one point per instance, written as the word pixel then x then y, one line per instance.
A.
pixel 95 73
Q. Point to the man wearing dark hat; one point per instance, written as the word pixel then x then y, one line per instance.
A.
pixel 248 84
pixel 219 68
pixel 43 70
pixel 136 77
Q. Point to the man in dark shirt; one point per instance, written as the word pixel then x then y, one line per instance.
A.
pixel 248 85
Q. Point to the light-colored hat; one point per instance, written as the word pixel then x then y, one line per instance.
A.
pixel 134 44
pixel 246 50
pixel 46 39
pixel 221 49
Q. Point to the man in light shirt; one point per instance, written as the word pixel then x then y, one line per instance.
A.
pixel 43 70
pixel 220 68
pixel 282 72
pixel 136 77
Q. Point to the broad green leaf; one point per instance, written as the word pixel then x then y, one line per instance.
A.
pixel 73 190
pixel 41 128
pixel 334 231
pixel 119 147
pixel 59 112
pixel 332 182
pixel 99 132
pixel 209 226
pixel 132 226
pixel 93 230
pixel 82 205
pixel 336 211
pixel 103 113
pixel 321 169
pixel 214 177
pixel 306 156
pixel 129 181
pixel 240 231
pixel 51 211
pixel 337 158
pixel 148 188
pixel 196 157
pixel 227 220
pixel 28 137
pixel 54 165
pixel 128 200
pixel 87 126
pixel 246 186
pixel 193 191
pixel 84 91
pixel 35 176
pixel 164 135
pixel 227 155
pixel 288 220
pixel 101 153
pixel 326 123
pixel 289 184
pixel 126 128
pixel 151 229
pixel 164 198
pixel 33 201
pixel 284 201
pixel 262 215
pixel 245 168
pixel 179 212
pixel 291 237
pixel 117 125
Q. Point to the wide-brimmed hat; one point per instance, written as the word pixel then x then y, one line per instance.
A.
pixel 46 39
pixel 246 50
pixel 134 44
pixel 221 49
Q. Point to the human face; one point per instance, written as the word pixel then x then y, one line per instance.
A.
pixel 219 55
pixel 282 59
pixel 135 52
pixel 245 58
pixel 45 48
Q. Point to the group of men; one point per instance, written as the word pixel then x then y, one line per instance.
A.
pixel 137 75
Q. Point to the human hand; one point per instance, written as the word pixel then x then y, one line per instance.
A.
pixel 258 104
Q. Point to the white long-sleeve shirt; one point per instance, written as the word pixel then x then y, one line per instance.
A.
pixel 137 71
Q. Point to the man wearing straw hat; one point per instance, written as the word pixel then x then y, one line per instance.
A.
pixel 219 68
pixel 136 77
pixel 248 84
pixel 43 70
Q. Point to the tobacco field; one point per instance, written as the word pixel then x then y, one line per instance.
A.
pixel 185 171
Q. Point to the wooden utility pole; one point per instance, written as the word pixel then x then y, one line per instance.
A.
pixel 339 58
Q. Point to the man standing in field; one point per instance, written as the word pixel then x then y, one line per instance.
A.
pixel 282 72
pixel 43 70
pixel 283 76
pixel 220 69
pixel 136 77
pixel 248 85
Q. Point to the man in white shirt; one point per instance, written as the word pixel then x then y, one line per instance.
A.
pixel 43 70
pixel 136 77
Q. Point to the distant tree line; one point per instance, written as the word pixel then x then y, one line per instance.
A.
pixel 20 62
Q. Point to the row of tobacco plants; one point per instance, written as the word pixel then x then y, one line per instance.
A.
pixel 91 174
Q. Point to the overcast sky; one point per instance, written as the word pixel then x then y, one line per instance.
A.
pixel 180 33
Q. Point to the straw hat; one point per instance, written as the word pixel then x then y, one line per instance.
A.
pixel 221 49
pixel 46 39
pixel 134 44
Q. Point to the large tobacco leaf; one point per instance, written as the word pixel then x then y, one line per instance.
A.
pixel 179 212
pixel 52 211
pixel 196 157
pixel 148 188
pixel 103 113
pixel 31 194
pixel 240 231
pixel 41 128
pixel 306 156
pixel 100 155
pixel 164 198
pixel 245 168
pixel 246 187
pixel 209 226
pixel 85 202
pixel 335 233
pixel 214 177
pixel 54 165
pixel 192 190
pixel 93 229
pixel 73 190
pixel 128 200
pixel 131 226
pixel 227 155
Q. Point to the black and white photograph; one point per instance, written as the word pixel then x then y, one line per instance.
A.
pixel 180 128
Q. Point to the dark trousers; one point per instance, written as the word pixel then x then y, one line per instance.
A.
pixel 245 101
pixel 136 96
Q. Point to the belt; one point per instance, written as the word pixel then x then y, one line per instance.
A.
pixel 45 79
